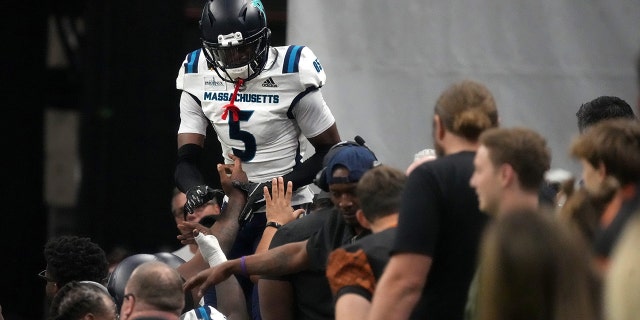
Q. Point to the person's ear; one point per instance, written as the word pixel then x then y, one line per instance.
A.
pixel 126 309
pixel 602 171
pixel 438 127
pixel 362 221
pixel 507 174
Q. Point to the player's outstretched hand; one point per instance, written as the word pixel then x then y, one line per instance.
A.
pixel 229 173
pixel 278 202
pixel 210 248
pixel 197 196
pixel 255 199
pixel 208 278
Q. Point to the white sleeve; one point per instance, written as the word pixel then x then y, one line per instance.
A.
pixel 312 114
pixel 310 70
pixel 192 119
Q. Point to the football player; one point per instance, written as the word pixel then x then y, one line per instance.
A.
pixel 264 104
pixel 261 100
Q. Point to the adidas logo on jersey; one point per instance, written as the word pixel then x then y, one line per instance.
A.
pixel 269 83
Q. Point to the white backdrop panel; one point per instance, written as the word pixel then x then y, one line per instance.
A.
pixel 387 62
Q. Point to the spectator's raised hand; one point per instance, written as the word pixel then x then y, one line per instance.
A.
pixel 278 203
pixel 187 229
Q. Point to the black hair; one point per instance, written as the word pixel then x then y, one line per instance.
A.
pixel 76 299
pixel 72 258
pixel 602 108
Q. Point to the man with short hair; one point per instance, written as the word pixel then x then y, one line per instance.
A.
pixel 154 291
pixel 602 108
pixel 353 270
pixel 73 258
pixel 509 169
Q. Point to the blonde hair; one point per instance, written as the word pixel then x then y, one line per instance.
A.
pixel 467 108
pixel 532 268
pixel 614 143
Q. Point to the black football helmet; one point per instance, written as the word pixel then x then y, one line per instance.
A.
pixel 235 38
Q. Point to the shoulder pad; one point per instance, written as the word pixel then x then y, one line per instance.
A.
pixel 302 60
pixel 189 65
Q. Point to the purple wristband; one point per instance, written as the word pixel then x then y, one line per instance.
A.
pixel 243 266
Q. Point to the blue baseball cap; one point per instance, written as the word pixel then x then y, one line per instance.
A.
pixel 357 159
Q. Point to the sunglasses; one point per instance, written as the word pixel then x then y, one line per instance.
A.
pixel 43 274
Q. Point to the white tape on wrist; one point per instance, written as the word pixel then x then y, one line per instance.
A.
pixel 210 249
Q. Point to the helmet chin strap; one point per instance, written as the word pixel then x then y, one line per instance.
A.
pixel 231 106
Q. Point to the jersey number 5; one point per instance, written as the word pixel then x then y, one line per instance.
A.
pixel 247 138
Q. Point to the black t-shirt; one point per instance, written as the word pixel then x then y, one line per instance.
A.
pixel 334 234
pixel 440 218
pixel 547 195
pixel 352 272
pixel 377 246
pixel 311 290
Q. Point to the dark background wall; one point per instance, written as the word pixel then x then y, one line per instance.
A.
pixel 119 80
pixel 23 217
pixel 128 121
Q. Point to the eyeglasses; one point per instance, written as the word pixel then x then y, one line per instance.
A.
pixel 43 275
pixel 129 295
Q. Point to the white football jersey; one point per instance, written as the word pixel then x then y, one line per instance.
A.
pixel 277 109
pixel 203 312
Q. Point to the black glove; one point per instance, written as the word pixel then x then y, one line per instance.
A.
pixel 199 195
pixel 255 198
